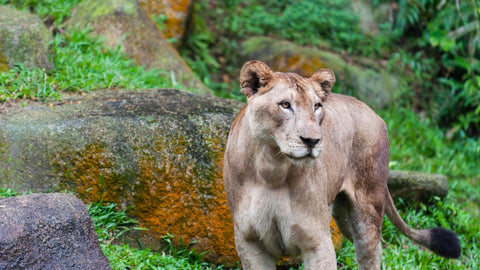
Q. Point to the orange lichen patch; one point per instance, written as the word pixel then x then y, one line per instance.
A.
pixel 170 199
pixel 176 12
pixel 304 66
pixel 337 236
pixel 88 174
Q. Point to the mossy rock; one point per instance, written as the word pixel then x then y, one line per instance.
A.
pixel 124 23
pixel 157 153
pixel 417 186
pixel 373 86
pixel 24 39
pixel 176 12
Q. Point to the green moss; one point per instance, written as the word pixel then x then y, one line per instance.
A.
pixel 92 10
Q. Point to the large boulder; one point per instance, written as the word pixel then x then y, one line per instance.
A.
pixel 48 231
pixel 157 153
pixel 176 12
pixel 369 82
pixel 124 23
pixel 24 39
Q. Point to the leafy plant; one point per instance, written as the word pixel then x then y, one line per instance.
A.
pixel 7 192
pixel 305 22
pixel 439 41
pixel 180 250
pixel 109 223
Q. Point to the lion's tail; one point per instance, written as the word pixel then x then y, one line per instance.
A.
pixel 439 240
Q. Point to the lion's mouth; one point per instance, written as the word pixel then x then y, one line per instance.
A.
pixel 305 157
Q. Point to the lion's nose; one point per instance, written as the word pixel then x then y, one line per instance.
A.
pixel 309 141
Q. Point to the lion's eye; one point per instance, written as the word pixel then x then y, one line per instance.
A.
pixel 317 106
pixel 285 105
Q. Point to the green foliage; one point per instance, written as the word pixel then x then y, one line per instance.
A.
pixel 305 22
pixel 196 49
pixel 181 250
pixel 171 257
pixel 7 192
pixel 419 145
pixel 212 49
pixel 439 47
pixel 124 257
pixel 56 10
pixel 109 223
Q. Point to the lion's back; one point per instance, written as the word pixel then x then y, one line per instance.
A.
pixel 355 118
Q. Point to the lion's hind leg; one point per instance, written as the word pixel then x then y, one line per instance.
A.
pixel 361 222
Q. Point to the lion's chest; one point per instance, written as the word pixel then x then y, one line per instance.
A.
pixel 267 216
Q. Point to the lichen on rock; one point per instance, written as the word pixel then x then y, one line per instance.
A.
pixel 176 12
pixel 156 153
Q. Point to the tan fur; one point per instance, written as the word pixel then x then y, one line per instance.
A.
pixel 287 167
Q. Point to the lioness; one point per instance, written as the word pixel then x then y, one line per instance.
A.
pixel 296 154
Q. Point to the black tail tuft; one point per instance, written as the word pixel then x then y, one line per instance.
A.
pixel 445 243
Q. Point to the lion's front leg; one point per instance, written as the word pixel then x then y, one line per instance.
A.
pixel 321 257
pixel 252 255
pixel 314 239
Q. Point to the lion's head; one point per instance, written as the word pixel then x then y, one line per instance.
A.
pixel 285 110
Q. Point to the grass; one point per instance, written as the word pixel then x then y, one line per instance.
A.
pixel 82 63
pixel 111 224
pixel 124 257
pixel 53 11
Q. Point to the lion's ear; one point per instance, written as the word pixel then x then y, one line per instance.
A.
pixel 253 76
pixel 325 78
